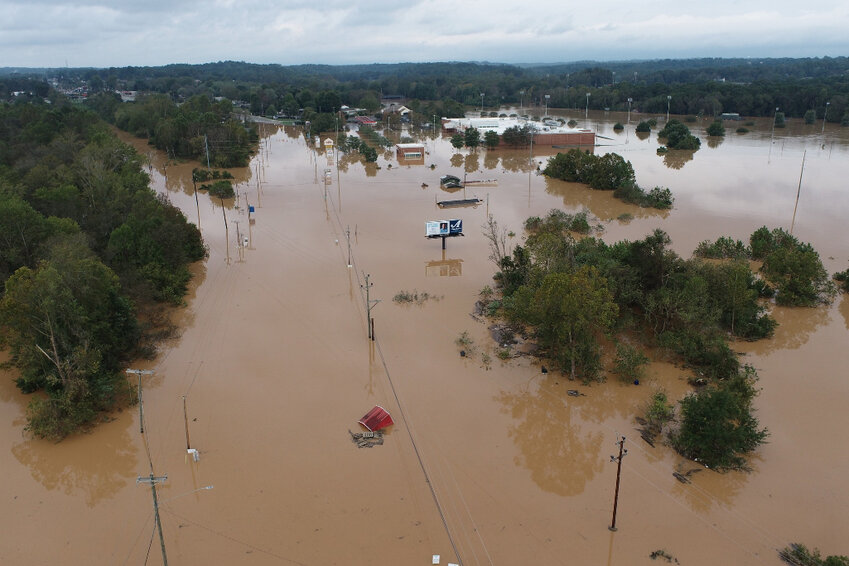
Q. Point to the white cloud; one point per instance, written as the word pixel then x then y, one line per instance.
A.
pixel 155 32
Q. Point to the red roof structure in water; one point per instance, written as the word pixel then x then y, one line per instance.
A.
pixel 376 419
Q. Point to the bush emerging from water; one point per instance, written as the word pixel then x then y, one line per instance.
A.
pixel 643 127
pixel 842 277
pixel 723 248
pixel 678 136
pixel 797 554
pixel 718 428
pixel 793 267
pixel 716 129
pixel 659 197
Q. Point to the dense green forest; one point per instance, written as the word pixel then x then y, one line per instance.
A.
pixel 750 87
pixel 86 248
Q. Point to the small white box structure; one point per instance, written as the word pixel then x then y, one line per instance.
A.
pixel 194 454
pixel 452 564
pixel 435 559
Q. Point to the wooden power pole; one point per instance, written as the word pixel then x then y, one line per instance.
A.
pixel 618 460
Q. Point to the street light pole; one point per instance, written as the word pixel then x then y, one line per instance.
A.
pixel 482 103
pixel 668 101
pixel 629 109
pixel 824 114
pixel 587 110
pixel 547 98
pixel 521 100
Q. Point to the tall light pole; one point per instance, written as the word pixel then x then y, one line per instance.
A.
pixel 824 114
pixel 521 100
pixel 668 101
pixel 630 100
pixel 547 98
pixel 772 135
pixel 587 110
pixel 482 103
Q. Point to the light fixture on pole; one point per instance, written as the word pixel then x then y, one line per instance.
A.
pixel 587 110
pixel 547 98
pixel 630 100
pixel 668 101
pixel 482 103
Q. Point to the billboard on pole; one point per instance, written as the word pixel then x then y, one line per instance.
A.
pixel 435 228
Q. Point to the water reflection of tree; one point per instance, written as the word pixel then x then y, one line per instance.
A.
pixel 677 158
pixel 642 136
pixel 98 477
pixel 715 141
pixel 601 204
pixel 347 160
pixel 472 162
pixel 371 169
pixel 293 132
pixel 844 308
pixel 547 432
pixel 517 162
pixel 457 160
pixel 795 326
pixel 490 160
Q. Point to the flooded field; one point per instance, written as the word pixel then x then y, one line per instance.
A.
pixel 490 462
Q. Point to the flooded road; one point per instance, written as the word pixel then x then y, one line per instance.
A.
pixel 490 461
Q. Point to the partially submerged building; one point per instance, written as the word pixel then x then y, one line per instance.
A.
pixel 550 132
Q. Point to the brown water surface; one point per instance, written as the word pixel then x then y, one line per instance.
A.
pixel 488 459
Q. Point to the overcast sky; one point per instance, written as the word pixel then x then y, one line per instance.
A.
pixel 97 33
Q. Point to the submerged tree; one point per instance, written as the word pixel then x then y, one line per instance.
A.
pixel 567 310
pixel 718 428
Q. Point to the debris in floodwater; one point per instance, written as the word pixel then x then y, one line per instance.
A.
pixel 544 369
pixel 575 393
pixel 366 439
pixel 376 419
pixel 685 477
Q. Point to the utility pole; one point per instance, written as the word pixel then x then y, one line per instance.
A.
pixel 226 229
pixel 369 307
pixel 348 237
pixel 153 480
pixel 186 419
pixel 206 146
pixel 140 373
pixel 618 460
pixel 798 192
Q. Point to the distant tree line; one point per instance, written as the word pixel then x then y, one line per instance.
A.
pixel 198 129
pixel 695 87
pixel 85 247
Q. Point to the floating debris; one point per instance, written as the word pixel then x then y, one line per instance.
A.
pixel 366 439
pixel 685 477
pixel 575 393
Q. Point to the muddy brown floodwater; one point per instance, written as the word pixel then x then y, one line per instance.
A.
pixel 494 462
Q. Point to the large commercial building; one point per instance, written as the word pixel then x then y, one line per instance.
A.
pixel 547 132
